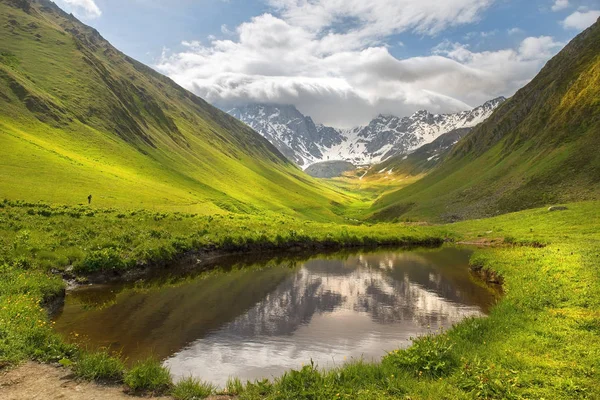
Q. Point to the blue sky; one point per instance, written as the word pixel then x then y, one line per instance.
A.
pixel 342 61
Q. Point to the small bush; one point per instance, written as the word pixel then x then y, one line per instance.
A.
pixel 99 366
pixel 429 356
pixel 192 389
pixel 148 376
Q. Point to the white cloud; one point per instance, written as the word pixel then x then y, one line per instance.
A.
pixel 515 31
pixel 345 78
pixel 542 47
pixel 194 44
pixel 560 5
pixel 82 8
pixel 494 72
pixel 581 20
pixel 381 17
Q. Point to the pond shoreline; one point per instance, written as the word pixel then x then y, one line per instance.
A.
pixel 206 258
pixel 448 263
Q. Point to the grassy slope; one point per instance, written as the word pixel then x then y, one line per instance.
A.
pixel 542 146
pixel 79 117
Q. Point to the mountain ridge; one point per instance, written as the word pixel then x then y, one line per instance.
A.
pixel 304 142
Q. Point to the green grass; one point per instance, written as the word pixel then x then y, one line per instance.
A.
pixel 99 366
pixel 25 332
pixel 148 376
pixel 192 389
pixel 89 240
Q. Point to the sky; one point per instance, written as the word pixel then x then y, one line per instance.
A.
pixel 343 62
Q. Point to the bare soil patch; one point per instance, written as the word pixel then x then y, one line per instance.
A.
pixel 39 381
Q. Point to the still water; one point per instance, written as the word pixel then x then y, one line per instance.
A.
pixel 258 321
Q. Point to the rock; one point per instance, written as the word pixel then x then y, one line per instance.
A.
pixel 557 208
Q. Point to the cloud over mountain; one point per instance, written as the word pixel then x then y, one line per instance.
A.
pixel 330 59
pixel 87 9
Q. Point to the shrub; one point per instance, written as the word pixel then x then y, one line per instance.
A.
pixel 192 389
pixel 148 376
pixel 429 356
pixel 99 366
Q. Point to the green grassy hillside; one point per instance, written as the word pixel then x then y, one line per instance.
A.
pixel 540 147
pixel 78 117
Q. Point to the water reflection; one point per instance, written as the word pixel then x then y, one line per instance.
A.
pixel 256 323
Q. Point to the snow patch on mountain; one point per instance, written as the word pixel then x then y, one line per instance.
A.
pixel 306 143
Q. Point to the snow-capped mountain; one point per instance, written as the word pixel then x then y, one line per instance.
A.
pixel 294 134
pixel 305 143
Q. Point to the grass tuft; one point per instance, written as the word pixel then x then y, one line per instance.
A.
pixel 234 387
pixel 192 389
pixel 429 356
pixel 99 366
pixel 148 376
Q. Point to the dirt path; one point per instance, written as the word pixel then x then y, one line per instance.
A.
pixel 38 381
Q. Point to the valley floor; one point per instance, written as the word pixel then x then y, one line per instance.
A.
pixel 542 340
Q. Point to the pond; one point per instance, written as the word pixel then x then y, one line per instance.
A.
pixel 256 320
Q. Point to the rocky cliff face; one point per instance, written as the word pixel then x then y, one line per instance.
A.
pixel 305 143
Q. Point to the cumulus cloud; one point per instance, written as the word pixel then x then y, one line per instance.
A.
pixel 346 77
pixel 542 47
pixel 581 20
pixel 560 5
pixel 82 8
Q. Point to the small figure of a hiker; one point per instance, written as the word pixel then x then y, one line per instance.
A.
pixel 90 199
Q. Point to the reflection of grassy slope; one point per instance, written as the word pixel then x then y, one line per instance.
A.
pixel 541 146
pixel 446 274
pixel 79 117
pixel 142 317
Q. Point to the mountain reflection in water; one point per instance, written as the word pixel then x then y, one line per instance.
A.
pixel 258 322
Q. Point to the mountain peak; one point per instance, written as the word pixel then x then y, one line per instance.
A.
pixel 305 143
pixel 494 102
